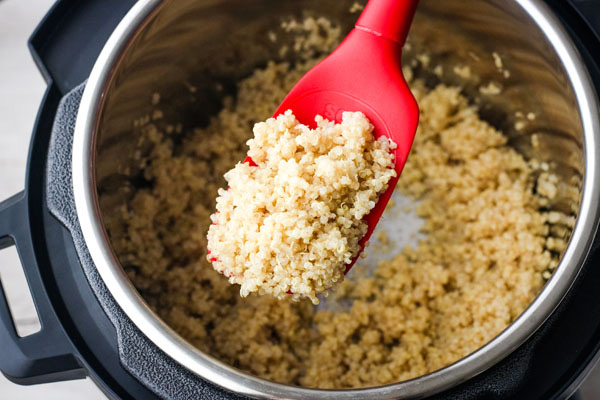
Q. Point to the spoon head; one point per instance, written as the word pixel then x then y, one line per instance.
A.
pixel 363 74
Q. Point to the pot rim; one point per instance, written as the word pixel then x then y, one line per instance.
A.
pixel 229 378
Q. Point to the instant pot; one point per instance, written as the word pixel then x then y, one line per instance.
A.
pixel 103 59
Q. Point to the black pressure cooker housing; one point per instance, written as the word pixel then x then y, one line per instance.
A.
pixel 85 333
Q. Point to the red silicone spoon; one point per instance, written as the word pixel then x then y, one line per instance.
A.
pixel 365 74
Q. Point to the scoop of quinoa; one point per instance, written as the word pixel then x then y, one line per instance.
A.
pixel 293 222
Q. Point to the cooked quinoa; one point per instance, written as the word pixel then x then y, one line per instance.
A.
pixel 293 222
pixel 480 262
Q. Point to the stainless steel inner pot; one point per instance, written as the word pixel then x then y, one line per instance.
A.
pixel 167 46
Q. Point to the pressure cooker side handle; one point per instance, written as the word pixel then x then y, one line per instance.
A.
pixel 66 44
pixel 47 355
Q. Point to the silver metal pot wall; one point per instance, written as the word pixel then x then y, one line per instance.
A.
pixel 150 51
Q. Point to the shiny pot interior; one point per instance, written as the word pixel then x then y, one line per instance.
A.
pixel 170 46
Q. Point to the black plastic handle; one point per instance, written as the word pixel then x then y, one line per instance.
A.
pixel 64 46
pixel 47 355
pixel 67 42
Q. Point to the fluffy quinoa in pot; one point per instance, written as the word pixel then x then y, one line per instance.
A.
pixel 485 248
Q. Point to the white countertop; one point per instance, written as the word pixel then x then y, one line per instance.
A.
pixel 21 89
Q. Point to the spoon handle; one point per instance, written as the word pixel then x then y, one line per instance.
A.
pixel 388 18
